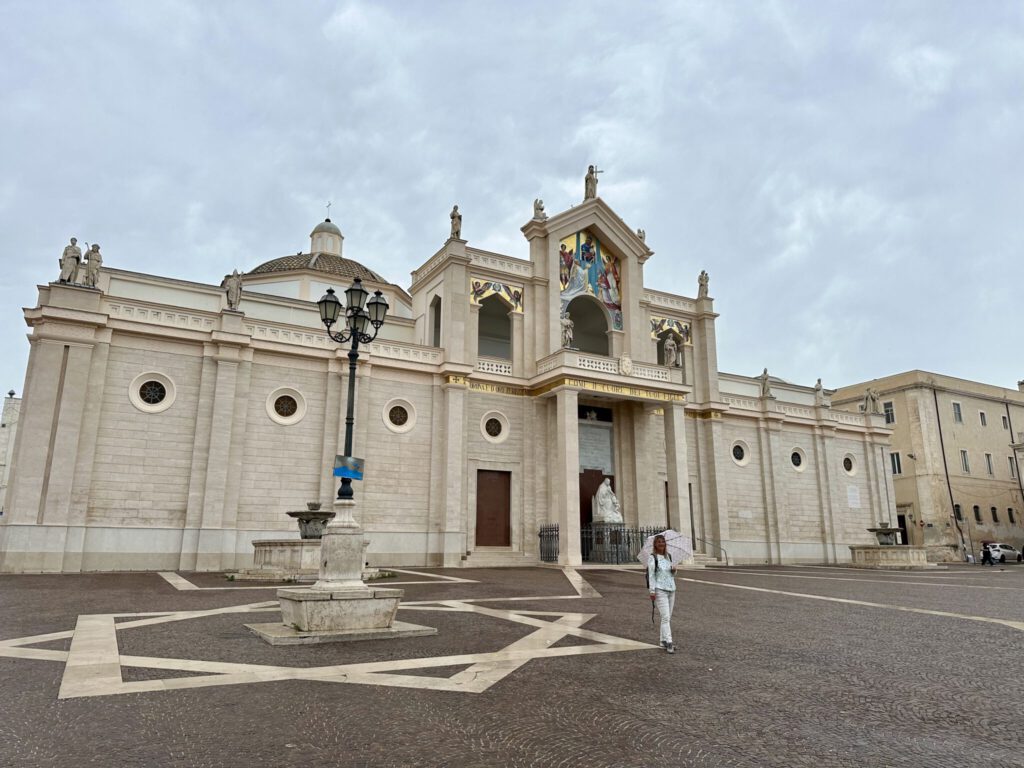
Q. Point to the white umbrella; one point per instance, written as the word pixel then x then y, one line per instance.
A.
pixel 677 545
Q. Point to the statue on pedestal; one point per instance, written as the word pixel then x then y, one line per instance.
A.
pixel 92 267
pixel 456 218
pixel 70 261
pixel 702 284
pixel 232 285
pixel 567 328
pixel 766 389
pixel 871 401
pixel 819 394
pixel 606 504
pixel 590 183
pixel 671 352
pixel 538 209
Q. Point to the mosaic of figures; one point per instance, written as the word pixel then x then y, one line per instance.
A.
pixel 661 324
pixel 584 268
pixel 480 289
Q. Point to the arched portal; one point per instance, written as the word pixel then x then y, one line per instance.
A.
pixel 494 332
pixel 590 325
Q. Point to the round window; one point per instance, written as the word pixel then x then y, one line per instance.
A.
pixel 796 458
pixel 398 415
pixel 738 453
pixel 286 406
pixel 848 465
pixel 152 392
pixel 494 426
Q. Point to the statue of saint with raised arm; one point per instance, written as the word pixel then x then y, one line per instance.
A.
pixel 590 183
pixel 606 504
pixel 70 261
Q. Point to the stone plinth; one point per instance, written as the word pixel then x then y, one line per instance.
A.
pixel 339 606
pixel 887 557
pixel 284 560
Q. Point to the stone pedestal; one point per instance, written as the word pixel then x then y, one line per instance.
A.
pixel 885 557
pixel 339 606
pixel 284 560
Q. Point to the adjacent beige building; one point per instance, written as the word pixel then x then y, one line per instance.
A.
pixel 8 429
pixel 953 461
pixel 166 425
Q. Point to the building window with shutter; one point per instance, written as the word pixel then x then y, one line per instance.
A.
pixel 965 463
pixel 897 465
pixel 958 415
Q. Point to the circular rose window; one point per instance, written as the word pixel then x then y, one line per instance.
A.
pixel 796 458
pixel 286 406
pixel 849 466
pixel 398 415
pixel 152 392
pixel 738 453
pixel 493 427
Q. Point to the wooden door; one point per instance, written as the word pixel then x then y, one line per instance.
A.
pixel 590 481
pixel 493 508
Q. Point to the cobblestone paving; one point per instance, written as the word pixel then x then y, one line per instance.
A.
pixel 760 678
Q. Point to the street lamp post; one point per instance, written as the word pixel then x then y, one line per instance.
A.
pixel 360 315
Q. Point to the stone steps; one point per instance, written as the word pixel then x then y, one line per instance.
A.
pixel 499 559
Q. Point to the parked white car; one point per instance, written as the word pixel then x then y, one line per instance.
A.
pixel 1003 553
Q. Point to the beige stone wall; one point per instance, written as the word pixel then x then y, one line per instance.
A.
pixel 142 461
pixel 281 465
pixel 8 429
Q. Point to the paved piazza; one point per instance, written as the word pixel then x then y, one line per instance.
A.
pixel 786 666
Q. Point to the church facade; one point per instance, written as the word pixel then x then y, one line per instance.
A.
pixel 167 424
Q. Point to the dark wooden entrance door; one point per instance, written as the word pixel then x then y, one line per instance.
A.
pixel 493 508
pixel 901 522
pixel 590 481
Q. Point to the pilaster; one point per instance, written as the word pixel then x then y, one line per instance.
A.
pixel 455 477
pixel 678 467
pixel 567 469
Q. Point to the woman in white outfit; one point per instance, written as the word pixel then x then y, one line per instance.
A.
pixel 662 585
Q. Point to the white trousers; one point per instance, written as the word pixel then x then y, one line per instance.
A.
pixel 665 601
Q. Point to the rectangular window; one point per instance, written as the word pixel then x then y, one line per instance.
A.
pixel 958 415
pixel 958 513
pixel 965 463
pixel 890 414
pixel 995 515
pixel 1009 514
pixel 897 466
pixel 1013 466
pixel 984 419
pixel 988 463
pixel 1006 423
pixel 977 513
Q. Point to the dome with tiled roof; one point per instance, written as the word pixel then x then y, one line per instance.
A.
pixel 324 256
pixel 330 263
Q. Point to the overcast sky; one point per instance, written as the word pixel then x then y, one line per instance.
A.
pixel 850 174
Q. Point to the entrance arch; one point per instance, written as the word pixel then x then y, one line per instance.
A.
pixel 590 325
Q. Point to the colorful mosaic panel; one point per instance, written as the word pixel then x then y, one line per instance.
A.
pixel 584 268
pixel 480 289
pixel 661 324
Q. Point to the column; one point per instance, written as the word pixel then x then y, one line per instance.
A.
pixel 567 472
pixel 643 465
pixel 677 466
pixel 454 475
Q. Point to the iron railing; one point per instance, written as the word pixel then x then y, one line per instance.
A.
pixel 608 544
pixel 549 543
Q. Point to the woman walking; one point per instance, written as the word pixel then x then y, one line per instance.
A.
pixel 662 585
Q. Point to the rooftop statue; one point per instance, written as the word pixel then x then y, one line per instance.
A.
pixel 702 284
pixel 92 267
pixel 456 218
pixel 590 183
pixel 232 285
pixel 538 209
pixel 70 261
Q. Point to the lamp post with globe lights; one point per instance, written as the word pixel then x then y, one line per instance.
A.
pixel 360 316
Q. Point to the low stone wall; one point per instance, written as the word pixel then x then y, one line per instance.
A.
pixel 282 559
pixel 894 557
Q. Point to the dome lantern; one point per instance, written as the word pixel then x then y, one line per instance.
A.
pixel 326 238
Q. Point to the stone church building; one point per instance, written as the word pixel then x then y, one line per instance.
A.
pixel 163 428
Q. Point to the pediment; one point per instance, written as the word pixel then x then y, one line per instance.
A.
pixel 598 217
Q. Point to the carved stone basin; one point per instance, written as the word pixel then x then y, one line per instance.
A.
pixel 312 522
